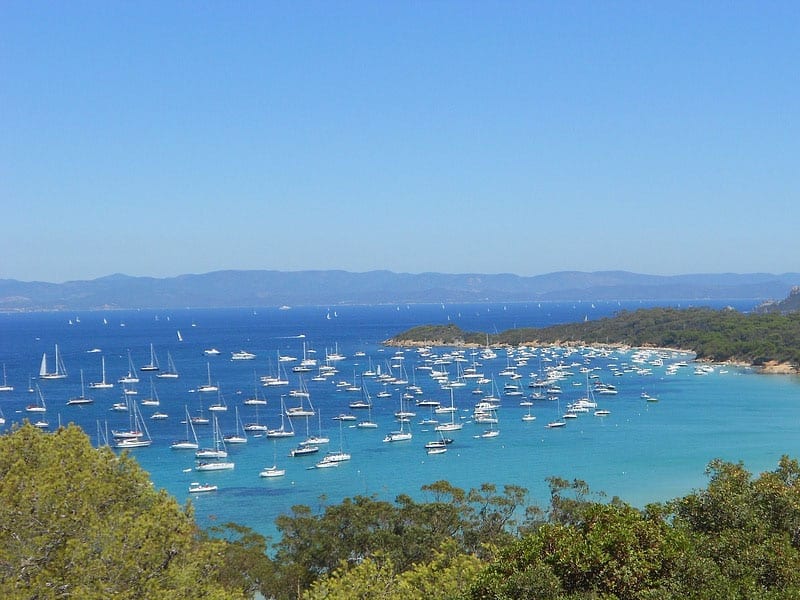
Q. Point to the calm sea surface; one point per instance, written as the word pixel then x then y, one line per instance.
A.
pixel 642 451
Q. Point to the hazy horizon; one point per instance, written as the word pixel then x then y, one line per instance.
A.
pixel 118 274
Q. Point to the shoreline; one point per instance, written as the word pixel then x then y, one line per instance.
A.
pixel 774 367
pixel 771 367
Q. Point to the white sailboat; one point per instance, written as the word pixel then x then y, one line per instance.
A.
pixel 152 399
pixel 438 446
pixel 39 406
pixel 306 363
pixel 398 436
pixel 240 437
pixel 315 439
pixel 273 380
pixel 452 425
pixel 125 406
pixel 345 417
pixel 599 412
pixel 319 438
pixel 216 454
pixel 218 450
pixel 121 406
pixel 201 419
pixel 142 440
pixel 282 431
pixel 256 399
pixel 131 376
pixel 60 371
pixel 353 387
pixel 402 435
pixel 369 423
pixel 273 471
pixel 153 364
pixel 170 372
pixel 5 387
pixel 301 411
pixel 257 425
pixel 302 450
pixel 220 405
pixel 335 355
pixel 492 431
pixel 335 456
pixel 196 487
pixel 208 387
pixel 102 384
pixel 189 443
pixel 528 417
pixel 214 465
pixel 82 399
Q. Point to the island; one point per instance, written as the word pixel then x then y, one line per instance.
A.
pixel 769 341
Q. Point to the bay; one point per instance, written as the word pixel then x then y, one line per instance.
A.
pixel 642 451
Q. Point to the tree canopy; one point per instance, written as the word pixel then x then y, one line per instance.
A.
pixel 80 522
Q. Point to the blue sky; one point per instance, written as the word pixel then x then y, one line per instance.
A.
pixel 160 138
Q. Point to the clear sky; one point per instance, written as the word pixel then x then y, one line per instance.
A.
pixel 159 138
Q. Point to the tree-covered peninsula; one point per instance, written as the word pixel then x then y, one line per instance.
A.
pixel 761 339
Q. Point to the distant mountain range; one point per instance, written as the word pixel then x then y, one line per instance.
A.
pixel 222 289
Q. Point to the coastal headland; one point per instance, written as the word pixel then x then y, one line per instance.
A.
pixel 769 343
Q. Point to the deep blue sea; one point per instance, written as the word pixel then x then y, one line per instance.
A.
pixel 642 451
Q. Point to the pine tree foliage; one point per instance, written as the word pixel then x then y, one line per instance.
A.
pixel 78 522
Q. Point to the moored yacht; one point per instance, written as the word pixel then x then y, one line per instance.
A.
pixel 272 471
pixel 208 386
pixel 5 387
pixel 60 371
pixel 102 384
pixel 217 465
pixel 196 487
pixel 82 399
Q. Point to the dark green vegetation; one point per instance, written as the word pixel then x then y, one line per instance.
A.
pixel 718 335
pixel 76 522
pixel 738 538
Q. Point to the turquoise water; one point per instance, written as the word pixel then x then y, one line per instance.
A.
pixel 641 452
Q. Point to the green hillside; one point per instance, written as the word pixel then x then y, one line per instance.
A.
pixel 718 335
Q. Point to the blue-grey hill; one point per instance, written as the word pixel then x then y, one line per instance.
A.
pixel 255 288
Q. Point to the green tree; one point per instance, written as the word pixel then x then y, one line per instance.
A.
pixel 244 564
pixel 76 522
pixel 446 574
pixel 390 538
pixel 749 528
